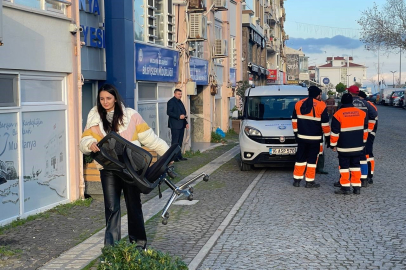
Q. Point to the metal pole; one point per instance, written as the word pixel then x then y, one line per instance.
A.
pixel 393 78
pixel 400 67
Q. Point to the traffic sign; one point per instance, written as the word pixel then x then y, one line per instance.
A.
pixel 326 80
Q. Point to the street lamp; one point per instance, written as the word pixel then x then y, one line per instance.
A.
pixel 393 78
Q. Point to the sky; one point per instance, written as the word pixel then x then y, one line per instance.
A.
pixel 325 28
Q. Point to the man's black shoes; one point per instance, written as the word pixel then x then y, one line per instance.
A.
pixel 364 183
pixel 312 184
pixel 296 182
pixel 356 190
pixel 343 191
pixel 183 159
pixel 370 181
pixel 337 184
pixel 176 160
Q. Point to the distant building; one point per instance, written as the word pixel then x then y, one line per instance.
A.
pixel 341 69
pixel 297 67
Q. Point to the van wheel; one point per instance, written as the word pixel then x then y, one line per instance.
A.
pixel 245 166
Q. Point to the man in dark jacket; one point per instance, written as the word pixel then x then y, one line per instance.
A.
pixel 348 136
pixel 309 121
pixel 370 142
pixel 372 114
pixel 177 120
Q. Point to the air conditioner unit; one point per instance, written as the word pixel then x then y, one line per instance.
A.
pixel 196 5
pixel 220 48
pixel 197 27
pixel 220 5
pixel 291 78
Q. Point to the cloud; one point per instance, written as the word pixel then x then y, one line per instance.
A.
pixel 315 45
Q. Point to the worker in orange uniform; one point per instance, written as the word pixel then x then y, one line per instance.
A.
pixel 349 133
pixel 370 142
pixel 309 121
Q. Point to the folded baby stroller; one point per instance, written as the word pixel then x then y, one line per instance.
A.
pixel 132 164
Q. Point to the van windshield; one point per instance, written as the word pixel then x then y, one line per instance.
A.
pixel 271 107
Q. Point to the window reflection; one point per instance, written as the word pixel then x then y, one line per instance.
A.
pixel 29 3
pixel 139 12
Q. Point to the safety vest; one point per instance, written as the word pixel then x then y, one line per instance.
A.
pixel 349 132
pixel 309 128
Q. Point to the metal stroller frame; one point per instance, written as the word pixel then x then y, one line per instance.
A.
pixel 132 164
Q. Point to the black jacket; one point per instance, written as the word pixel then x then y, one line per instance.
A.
pixel 174 109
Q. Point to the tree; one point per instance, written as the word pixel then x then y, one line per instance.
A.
pixel 240 91
pixel 340 87
pixel 384 27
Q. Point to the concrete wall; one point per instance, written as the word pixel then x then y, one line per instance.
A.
pixel 35 42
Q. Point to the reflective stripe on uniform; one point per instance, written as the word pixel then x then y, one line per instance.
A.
pixel 309 137
pixel 352 128
pixel 354 149
pixel 309 117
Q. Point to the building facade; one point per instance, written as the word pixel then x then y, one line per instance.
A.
pixel 39 110
pixel 275 36
pixel 340 69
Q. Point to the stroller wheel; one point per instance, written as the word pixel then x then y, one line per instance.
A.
pixel 206 178
pixel 191 189
pixel 164 221
pixel 190 197
pixel 166 215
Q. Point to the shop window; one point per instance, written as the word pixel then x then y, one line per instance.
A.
pixel 43 89
pixel 8 90
pixel 165 91
pixel 147 91
pixel 148 113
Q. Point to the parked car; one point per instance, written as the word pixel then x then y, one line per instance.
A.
pixel 394 95
pixel 385 95
pixel 372 98
pixel 399 101
pixel 266 134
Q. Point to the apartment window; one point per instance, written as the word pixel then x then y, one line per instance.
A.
pixel 8 90
pixel 198 48
pixel 218 32
pixel 154 22
pixel 58 6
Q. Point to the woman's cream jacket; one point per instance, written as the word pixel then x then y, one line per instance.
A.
pixel 133 129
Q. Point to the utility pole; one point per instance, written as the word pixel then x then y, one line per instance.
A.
pixel 400 67
pixel 393 78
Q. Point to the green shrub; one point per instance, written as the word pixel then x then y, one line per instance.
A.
pixel 230 131
pixel 215 138
pixel 125 256
pixel 87 159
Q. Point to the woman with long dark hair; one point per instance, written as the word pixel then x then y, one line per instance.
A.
pixel 110 115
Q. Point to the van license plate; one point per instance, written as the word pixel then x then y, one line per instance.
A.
pixel 282 151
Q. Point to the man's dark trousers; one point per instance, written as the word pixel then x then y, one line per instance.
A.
pixel 177 138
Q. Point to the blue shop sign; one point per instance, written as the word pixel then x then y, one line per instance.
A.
pixel 199 71
pixel 155 63
pixel 233 77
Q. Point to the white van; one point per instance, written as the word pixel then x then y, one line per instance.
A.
pixel 385 95
pixel 266 135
